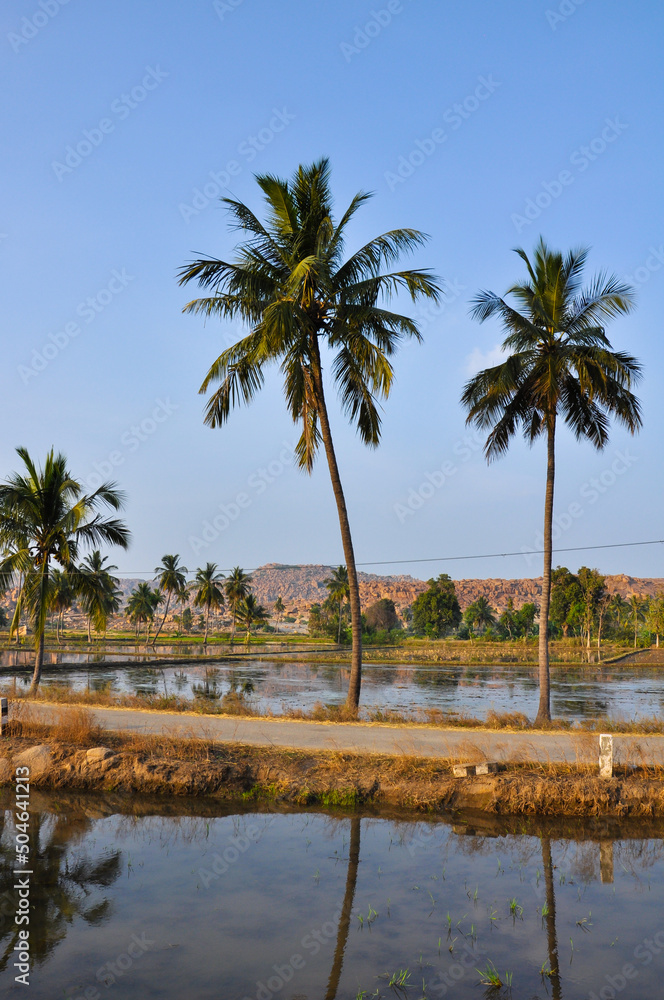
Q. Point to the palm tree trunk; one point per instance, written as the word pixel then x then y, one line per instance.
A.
pixel 89 629
pixel 355 681
pixel 341 604
pixel 207 621
pixel 168 601
pixel 346 910
pixel 40 620
pixel 544 710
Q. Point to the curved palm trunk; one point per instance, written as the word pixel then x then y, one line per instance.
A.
pixel 544 710
pixel 207 622
pixel 161 625
pixel 346 910
pixel 355 681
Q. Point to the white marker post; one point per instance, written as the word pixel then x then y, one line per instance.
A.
pixel 606 756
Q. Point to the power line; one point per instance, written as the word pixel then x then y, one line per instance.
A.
pixel 485 555
pixel 522 552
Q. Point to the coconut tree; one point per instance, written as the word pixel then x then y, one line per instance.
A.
pixel 207 592
pixel 97 591
pixel 46 516
pixel 172 580
pixel 279 608
pixel 61 597
pixel 480 613
pixel 250 612
pixel 655 617
pixel 339 590
pixel 559 366
pixel 637 606
pixel 306 307
pixel 142 605
pixel 237 587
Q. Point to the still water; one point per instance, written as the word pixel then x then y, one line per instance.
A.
pixel 146 901
pixel 577 693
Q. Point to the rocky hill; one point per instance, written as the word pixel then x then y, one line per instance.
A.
pixel 300 586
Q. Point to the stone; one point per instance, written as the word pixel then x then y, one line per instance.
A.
pixel 606 756
pixel 488 767
pixel 463 770
pixel 96 754
pixel 38 759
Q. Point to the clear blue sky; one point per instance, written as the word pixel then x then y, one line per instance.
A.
pixel 93 228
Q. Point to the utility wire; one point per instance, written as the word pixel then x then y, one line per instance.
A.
pixel 485 555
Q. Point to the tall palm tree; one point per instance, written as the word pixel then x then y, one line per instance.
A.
pixel 290 284
pixel 560 365
pixel 339 590
pixel 279 607
pixel 97 590
pixel 207 593
pixel 141 607
pixel 45 516
pixel 172 580
pixel 250 612
pixel 61 597
pixel 637 606
pixel 237 587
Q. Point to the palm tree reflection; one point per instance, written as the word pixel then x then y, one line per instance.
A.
pixel 62 886
pixel 346 909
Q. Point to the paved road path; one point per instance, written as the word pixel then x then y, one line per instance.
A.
pixel 424 741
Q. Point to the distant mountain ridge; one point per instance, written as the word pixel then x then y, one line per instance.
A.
pixel 299 586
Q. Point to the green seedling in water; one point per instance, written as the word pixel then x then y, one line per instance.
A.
pixel 585 923
pixel 399 978
pixel 545 910
pixel 546 970
pixel 490 977
pixel 493 915
pixel 515 908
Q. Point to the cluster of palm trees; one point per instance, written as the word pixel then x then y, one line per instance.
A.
pixel 302 302
pixel 305 305
pixel 210 591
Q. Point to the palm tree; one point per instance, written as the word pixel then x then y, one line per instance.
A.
pixel 290 284
pixel 279 607
pixel 61 597
pixel 655 616
pixel 339 589
pixel 45 516
pixel 172 581
pixel 637 606
pixel 141 607
pixel 250 612
pixel 208 594
pixel 97 590
pixel 480 613
pixel 237 587
pixel 560 365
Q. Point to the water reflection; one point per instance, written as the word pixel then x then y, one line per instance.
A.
pixel 460 689
pixel 66 883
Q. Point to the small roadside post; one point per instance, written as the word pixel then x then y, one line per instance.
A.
pixel 606 756
pixel 4 716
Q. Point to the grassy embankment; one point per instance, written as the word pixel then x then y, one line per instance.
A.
pixel 269 778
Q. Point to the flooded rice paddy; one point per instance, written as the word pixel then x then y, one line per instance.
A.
pixel 306 906
pixel 577 693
